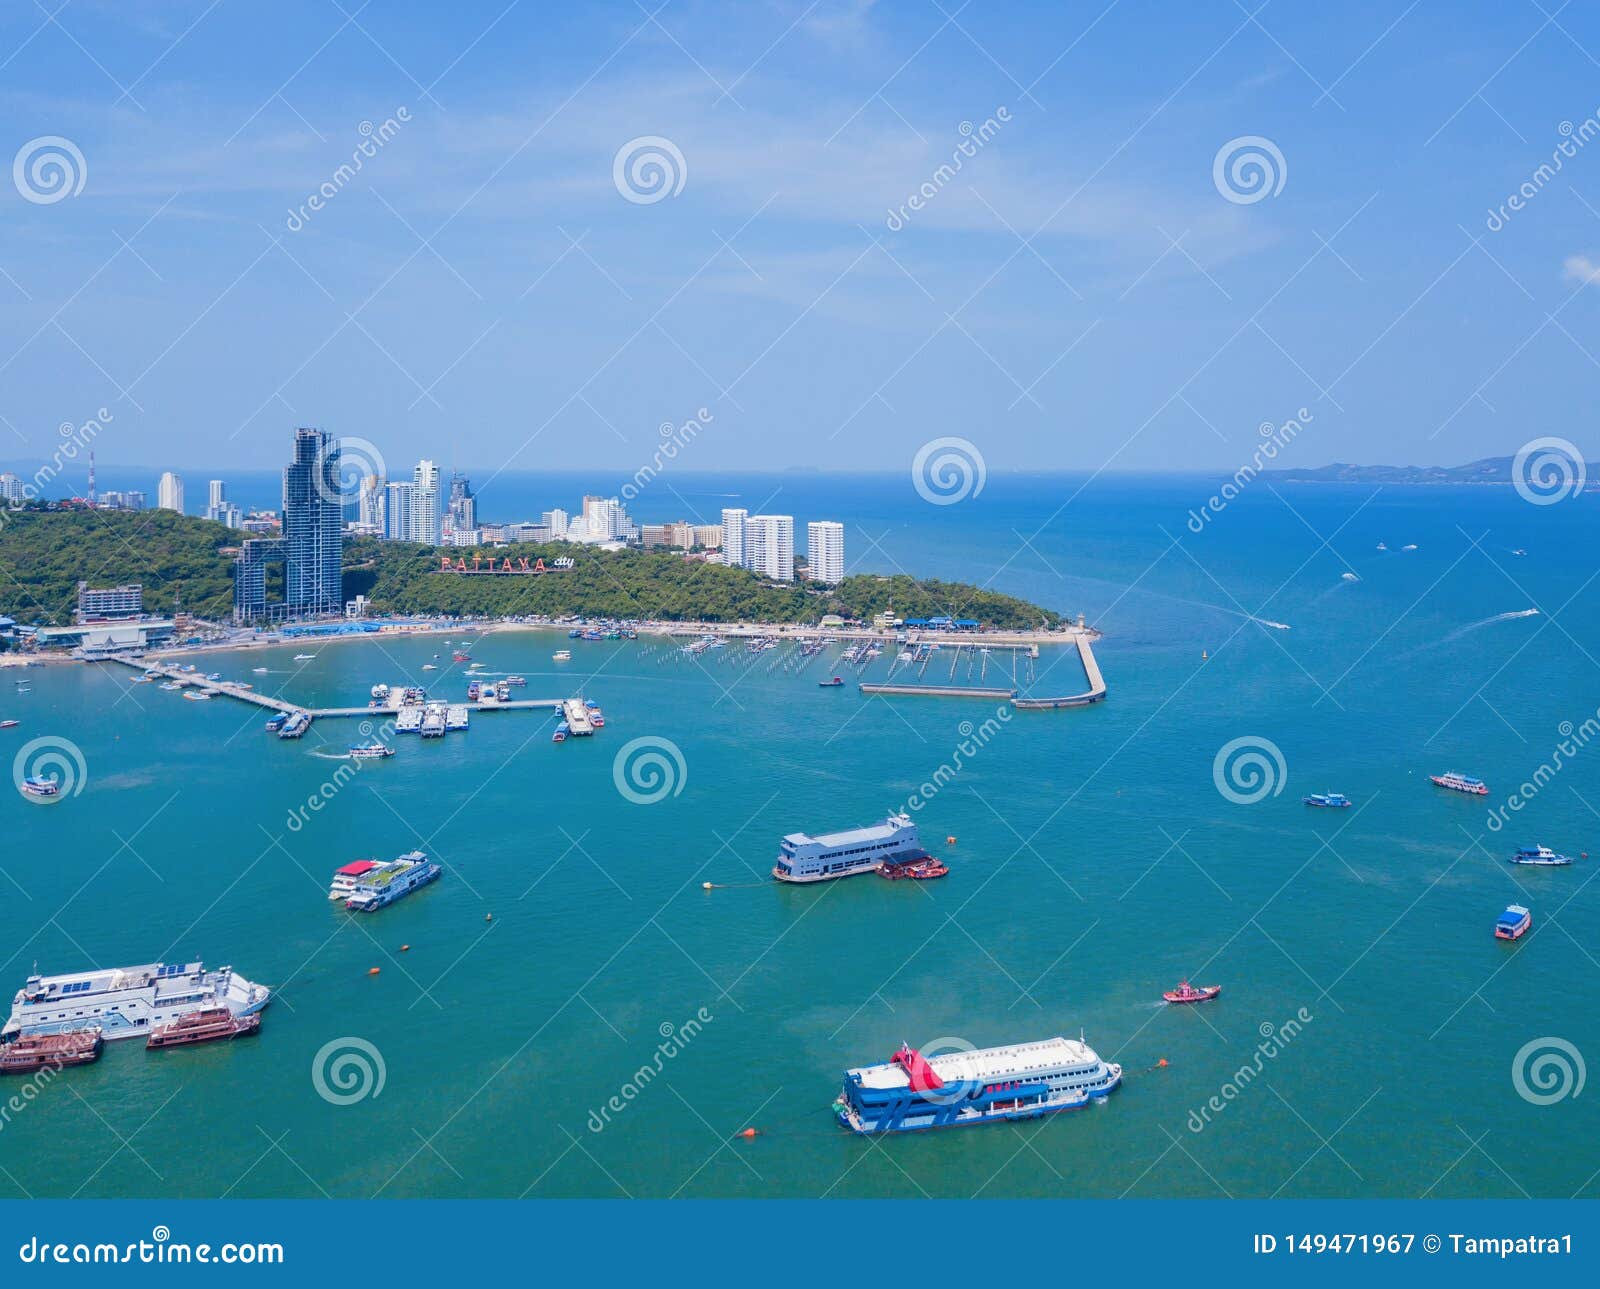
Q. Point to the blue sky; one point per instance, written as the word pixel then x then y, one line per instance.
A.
pixel 1081 295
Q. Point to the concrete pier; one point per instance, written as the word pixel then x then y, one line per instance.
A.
pixel 1091 669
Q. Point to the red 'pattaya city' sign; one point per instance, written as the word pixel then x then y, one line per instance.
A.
pixel 481 565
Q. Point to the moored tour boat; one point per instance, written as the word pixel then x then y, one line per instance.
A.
pixel 28 1055
pixel 206 1026
pixel 986 1085
pixel 370 751
pixel 1187 993
pixel 1460 783
pixel 804 858
pixel 36 787
pixel 832 683
pixel 128 1002
pixel 1540 857
pixel 562 655
pixel 392 881
pixel 1328 800
pixel 1513 924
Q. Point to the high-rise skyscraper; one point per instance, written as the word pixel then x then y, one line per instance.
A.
pixel 425 503
pixel 10 489
pixel 217 501
pixel 169 493
pixel 397 508
pixel 463 505
pixel 769 546
pixel 370 511
pixel 313 526
pixel 733 523
pixel 825 550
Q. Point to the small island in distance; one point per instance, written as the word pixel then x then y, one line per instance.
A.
pixel 1488 470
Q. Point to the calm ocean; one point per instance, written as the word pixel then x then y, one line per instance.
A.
pixel 1096 862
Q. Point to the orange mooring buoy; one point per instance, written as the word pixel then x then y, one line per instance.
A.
pixel 372 971
pixel 949 841
pixel 748 1133
pixel 1162 1063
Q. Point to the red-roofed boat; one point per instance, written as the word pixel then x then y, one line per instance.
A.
pixel 1187 993
pixel 922 1075
pixel 344 881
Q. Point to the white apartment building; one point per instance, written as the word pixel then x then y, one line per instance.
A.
pixel 825 550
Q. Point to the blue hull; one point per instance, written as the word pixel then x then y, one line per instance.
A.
pixel 949 1119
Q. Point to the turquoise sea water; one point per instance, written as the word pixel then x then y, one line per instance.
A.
pixel 1096 863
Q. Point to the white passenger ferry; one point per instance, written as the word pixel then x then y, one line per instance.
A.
pixel 128 1002
pixel 804 858
pixel 985 1085
pixel 386 883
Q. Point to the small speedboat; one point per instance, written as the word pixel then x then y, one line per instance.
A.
pixel 923 870
pixel 428 666
pixel 304 657
pixel 260 671
pixel 562 655
pixel 1540 857
pixel 214 675
pixel 1513 924
pixel 1330 800
pixel 1187 993
pixel 9 725
pixel 832 683
pixel 195 696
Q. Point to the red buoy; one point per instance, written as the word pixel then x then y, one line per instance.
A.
pixel 748 1133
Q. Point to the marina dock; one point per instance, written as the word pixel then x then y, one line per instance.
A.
pixel 1091 670
pixel 229 689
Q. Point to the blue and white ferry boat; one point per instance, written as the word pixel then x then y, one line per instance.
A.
pixel 389 882
pixel 985 1085
pixel 804 858
pixel 1540 857
pixel 128 1002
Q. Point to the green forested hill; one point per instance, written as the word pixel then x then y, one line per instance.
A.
pixel 44 554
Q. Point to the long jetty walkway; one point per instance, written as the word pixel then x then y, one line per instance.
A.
pixel 229 689
pixel 1091 670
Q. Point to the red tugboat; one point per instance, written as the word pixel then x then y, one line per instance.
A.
pixel 832 683
pixel 1187 993
pixel 922 868
pixel 204 1027
pixel 29 1055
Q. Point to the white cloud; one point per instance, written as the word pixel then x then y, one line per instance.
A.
pixel 1581 269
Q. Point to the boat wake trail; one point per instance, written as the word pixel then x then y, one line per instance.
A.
pixel 1489 622
pixel 331 756
pixel 1474 626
